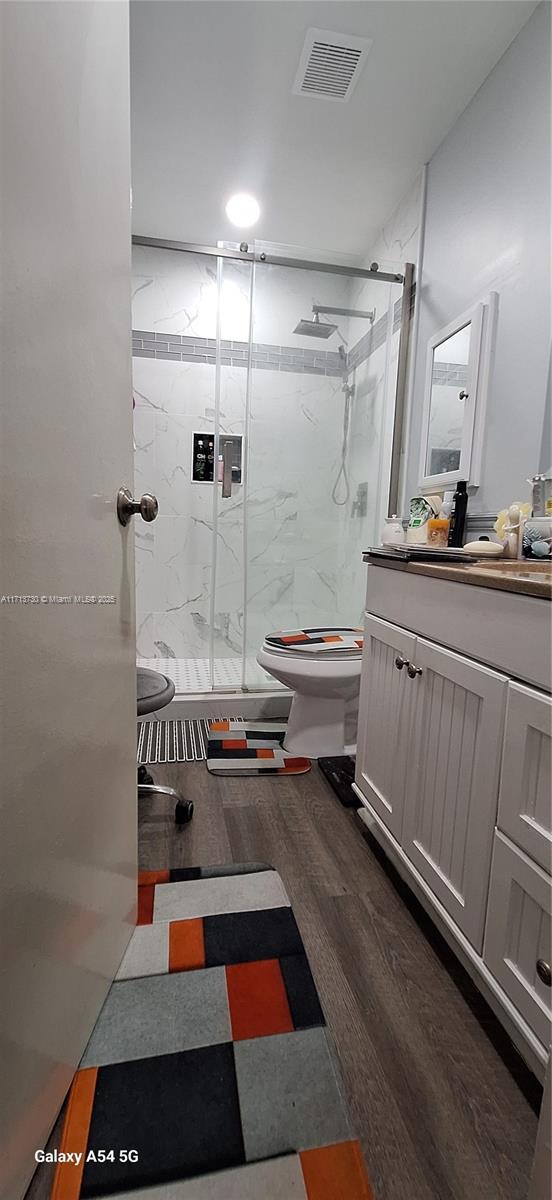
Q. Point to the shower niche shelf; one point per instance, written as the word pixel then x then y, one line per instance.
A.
pixel 203 457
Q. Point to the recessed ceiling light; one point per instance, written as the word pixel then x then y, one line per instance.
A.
pixel 242 210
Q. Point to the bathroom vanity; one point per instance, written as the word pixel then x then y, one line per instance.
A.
pixel 454 766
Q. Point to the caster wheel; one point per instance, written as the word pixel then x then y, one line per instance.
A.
pixel 144 775
pixel 183 812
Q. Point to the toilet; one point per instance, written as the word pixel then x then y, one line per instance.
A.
pixel 322 668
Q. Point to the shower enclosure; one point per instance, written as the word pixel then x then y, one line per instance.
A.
pixel 268 449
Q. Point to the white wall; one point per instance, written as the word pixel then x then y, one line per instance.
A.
pixel 488 229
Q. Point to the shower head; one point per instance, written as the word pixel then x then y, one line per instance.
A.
pixel 315 328
pixel 324 329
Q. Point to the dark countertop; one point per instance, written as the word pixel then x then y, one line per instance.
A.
pixel 527 577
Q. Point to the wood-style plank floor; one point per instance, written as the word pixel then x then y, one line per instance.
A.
pixel 439 1113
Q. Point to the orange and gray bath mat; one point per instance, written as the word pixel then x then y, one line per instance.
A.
pixel 210 1073
pixel 251 748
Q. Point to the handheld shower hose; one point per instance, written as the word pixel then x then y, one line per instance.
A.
pixel 342 475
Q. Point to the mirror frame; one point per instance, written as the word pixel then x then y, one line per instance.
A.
pixel 481 316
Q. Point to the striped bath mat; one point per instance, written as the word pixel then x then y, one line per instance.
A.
pixel 251 748
pixel 173 741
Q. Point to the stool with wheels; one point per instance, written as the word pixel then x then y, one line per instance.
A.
pixel 154 691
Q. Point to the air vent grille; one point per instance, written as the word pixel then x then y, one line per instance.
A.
pixel 330 65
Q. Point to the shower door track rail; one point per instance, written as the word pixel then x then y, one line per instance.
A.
pixel 276 260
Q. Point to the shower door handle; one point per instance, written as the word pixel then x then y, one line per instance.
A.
pixel 227 469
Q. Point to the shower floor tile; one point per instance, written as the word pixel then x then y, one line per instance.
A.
pixel 194 674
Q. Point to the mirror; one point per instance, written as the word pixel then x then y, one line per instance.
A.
pixel 458 363
pixel 447 406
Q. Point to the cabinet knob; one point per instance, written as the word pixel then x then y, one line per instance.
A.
pixel 401 662
pixel 543 971
pixel 413 671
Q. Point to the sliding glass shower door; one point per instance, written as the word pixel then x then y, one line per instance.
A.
pixel 319 424
pixel 175 311
pixel 263 421
pixel 227 614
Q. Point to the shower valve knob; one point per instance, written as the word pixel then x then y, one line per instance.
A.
pixel 127 506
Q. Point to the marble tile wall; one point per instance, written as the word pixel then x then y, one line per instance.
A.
pixel 292 527
pixel 302 551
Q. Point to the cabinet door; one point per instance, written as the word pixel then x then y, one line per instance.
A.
pixel 517 933
pixel 383 721
pixel 524 806
pixel 452 780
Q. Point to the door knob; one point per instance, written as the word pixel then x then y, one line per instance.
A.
pixel 543 971
pixel 413 670
pixel 401 662
pixel 127 506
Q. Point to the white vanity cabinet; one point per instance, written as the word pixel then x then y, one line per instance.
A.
pixel 428 759
pixel 454 772
pixel 455 751
pixel 525 800
pixel 517 937
pixel 384 719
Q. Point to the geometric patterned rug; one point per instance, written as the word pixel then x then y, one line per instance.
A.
pixel 251 748
pixel 209 1074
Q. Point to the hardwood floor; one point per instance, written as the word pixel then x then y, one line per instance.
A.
pixel 440 1114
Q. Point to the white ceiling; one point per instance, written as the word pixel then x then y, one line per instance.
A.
pixel 213 111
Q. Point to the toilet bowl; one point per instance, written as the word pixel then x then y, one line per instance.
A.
pixel 322 669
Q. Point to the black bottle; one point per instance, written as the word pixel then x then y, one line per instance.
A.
pixel 458 514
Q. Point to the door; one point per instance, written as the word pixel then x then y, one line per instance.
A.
pixel 452 781
pixel 68 719
pixel 526 779
pixel 384 720
pixel 517 934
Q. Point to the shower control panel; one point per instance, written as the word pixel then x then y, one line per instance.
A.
pixel 203 457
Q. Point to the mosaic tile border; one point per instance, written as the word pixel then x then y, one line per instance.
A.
pixel 449 374
pixel 376 335
pixel 265 356
pixel 181 348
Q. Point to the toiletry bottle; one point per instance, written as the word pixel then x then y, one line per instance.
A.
pixel 438 527
pixel 200 461
pixel 458 515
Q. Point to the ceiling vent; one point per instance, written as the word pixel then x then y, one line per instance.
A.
pixel 330 65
